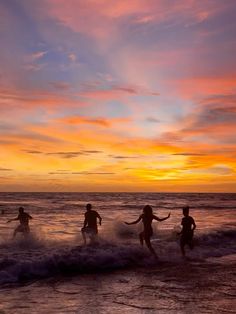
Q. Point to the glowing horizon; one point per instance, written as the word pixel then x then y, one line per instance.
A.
pixel 108 95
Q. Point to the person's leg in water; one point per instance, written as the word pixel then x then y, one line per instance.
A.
pixel 191 246
pixel 93 236
pixel 14 233
pixel 190 242
pixel 26 232
pixel 149 245
pixel 141 238
pixel 18 229
pixel 84 236
pixel 182 244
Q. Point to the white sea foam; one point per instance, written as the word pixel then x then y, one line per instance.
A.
pixel 29 259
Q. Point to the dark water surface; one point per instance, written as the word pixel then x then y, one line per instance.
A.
pixel 52 273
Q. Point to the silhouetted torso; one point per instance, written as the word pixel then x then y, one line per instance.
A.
pixel 147 223
pixel 187 223
pixel 24 219
pixel 91 219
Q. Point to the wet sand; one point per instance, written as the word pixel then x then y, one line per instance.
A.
pixel 192 287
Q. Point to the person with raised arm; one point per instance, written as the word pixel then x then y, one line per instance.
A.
pixel 147 217
pixel 24 218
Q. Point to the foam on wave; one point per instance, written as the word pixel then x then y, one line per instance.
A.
pixel 79 259
pixel 34 258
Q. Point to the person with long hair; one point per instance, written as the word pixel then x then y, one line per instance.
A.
pixel 147 217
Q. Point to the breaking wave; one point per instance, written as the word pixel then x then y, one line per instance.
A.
pixel 32 259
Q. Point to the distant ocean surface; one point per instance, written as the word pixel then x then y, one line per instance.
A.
pixel 52 272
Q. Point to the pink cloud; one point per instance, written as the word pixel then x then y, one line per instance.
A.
pixel 36 55
pixel 72 57
pixel 115 92
pixel 35 97
pixel 21 102
pixel 103 20
pixel 199 86
pixel 212 120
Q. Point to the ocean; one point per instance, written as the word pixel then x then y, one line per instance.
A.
pixel 53 272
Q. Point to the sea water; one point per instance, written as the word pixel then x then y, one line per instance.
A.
pixel 52 272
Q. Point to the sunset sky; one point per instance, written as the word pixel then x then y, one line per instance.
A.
pixel 113 95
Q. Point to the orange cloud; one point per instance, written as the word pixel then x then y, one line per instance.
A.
pixel 13 98
pixel 56 116
pixel 74 120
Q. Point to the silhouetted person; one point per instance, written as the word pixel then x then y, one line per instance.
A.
pixel 147 217
pixel 24 218
pixel 188 227
pixel 90 223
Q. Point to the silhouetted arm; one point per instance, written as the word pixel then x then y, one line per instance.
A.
pixel 30 217
pixel 194 225
pixel 85 222
pixel 100 219
pixel 179 233
pixel 161 219
pixel 10 220
pixel 134 222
